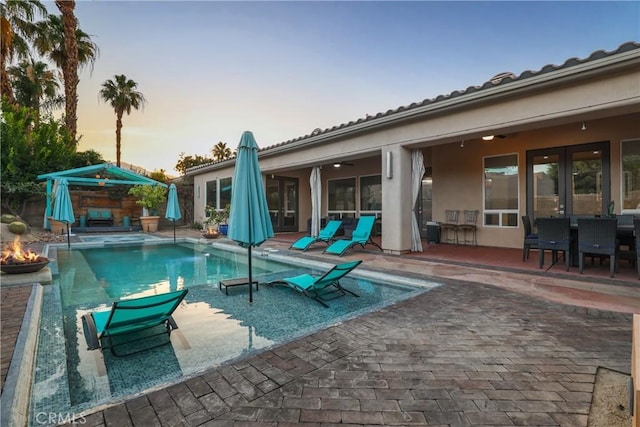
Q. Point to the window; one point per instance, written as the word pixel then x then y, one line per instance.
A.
pixel 218 199
pixel 342 197
pixel 501 191
pixel 225 193
pixel 630 175
pixel 370 195
pixel 211 195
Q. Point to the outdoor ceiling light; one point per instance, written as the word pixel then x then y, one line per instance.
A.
pixel 336 165
pixel 487 137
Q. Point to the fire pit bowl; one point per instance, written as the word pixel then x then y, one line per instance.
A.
pixel 25 267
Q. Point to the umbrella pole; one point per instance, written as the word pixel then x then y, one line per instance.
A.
pixel 174 231
pixel 250 278
pixel 68 238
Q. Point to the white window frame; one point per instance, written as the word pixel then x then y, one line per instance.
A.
pixel 500 212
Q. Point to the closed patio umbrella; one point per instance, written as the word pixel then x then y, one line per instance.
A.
pixel 62 207
pixel 249 220
pixel 173 208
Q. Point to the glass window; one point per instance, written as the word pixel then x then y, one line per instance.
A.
pixel 501 191
pixel 370 193
pixel 631 175
pixel 342 196
pixel 212 194
pixel 225 192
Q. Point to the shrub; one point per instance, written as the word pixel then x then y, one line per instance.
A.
pixel 17 227
pixel 7 218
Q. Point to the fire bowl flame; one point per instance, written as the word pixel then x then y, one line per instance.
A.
pixel 15 260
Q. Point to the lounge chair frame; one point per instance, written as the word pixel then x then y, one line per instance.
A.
pixel 355 240
pixel 104 339
pixel 326 235
pixel 323 288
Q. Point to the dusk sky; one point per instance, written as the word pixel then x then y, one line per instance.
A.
pixel 211 70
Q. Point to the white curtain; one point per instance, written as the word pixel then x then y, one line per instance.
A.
pixel 316 191
pixel 417 172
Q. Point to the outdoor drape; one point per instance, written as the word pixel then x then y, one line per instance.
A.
pixel 417 172
pixel 316 191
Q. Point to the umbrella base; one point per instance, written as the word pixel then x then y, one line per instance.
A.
pixel 235 282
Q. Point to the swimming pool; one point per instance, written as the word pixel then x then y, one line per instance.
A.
pixel 214 328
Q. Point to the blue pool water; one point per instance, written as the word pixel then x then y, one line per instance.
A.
pixel 214 328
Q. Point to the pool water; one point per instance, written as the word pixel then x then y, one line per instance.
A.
pixel 214 328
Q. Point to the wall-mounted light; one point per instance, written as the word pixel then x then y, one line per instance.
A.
pixel 389 165
pixel 487 138
pixel 462 144
pixel 584 127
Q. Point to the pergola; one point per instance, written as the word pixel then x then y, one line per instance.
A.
pixel 102 175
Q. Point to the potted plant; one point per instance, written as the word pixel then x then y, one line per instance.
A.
pixel 211 223
pixel 223 218
pixel 150 197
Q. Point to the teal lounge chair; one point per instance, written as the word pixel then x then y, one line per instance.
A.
pixel 361 236
pixel 134 318
pixel 326 235
pixel 322 288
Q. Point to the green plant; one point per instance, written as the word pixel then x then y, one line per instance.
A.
pixel 149 196
pixel 7 218
pixel 17 227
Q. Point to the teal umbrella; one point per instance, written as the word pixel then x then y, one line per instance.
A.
pixel 249 220
pixel 173 208
pixel 63 208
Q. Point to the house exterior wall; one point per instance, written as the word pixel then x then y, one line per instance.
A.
pixel 545 109
pixel 458 171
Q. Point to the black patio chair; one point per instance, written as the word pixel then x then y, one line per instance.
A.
pixel 597 236
pixel 530 239
pixel 554 234
pixel 636 227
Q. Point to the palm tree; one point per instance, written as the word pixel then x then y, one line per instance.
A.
pixel 122 95
pixel 70 66
pixel 35 86
pixel 220 151
pixel 16 27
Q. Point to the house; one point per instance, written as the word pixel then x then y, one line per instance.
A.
pixel 563 140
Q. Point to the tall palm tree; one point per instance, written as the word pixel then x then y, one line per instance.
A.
pixel 220 151
pixel 122 95
pixel 70 66
pixel 50 41
pixel 35 86
pixel 16 28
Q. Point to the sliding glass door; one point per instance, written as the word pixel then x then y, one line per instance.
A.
pixel 572 180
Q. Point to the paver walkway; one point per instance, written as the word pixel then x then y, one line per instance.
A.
pixel 463 354
pixel 458 355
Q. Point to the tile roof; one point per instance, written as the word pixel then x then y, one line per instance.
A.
pixel 497 80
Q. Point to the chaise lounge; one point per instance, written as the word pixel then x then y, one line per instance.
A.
pixel 361 236
pixel 322 288
pixel 132 318
pixel 326 235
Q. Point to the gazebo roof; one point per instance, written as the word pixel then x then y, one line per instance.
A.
pixel 102 175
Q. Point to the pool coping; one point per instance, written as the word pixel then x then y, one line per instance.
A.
pixel 16 395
